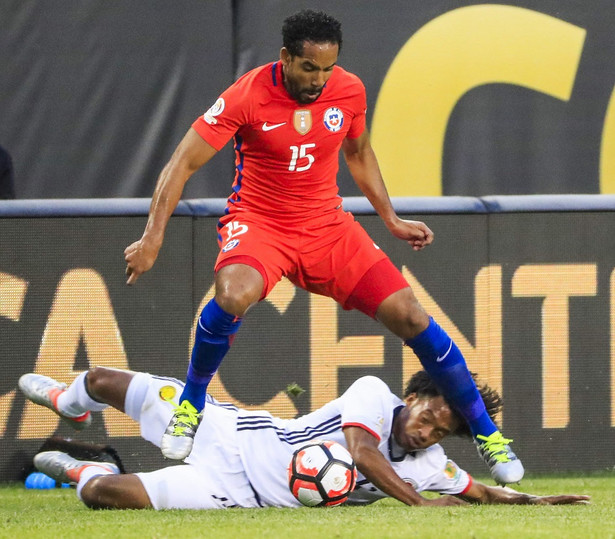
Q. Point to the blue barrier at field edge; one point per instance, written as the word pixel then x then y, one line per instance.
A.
pixel 206 207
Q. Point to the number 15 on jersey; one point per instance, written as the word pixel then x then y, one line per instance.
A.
pixel 301 153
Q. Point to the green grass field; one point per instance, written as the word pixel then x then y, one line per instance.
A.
pixel 58 514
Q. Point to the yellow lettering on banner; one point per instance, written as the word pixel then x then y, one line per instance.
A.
pixel 81 311
pixel 329 352
pixel 556 283
pixel 12 295
pixel 485 357
pixel 6 401
pixel 607 150
pixel 612 328
pixel 281 405
pixel 452 54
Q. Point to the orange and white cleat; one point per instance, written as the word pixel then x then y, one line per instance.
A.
pixel 45 391
pixel 66 469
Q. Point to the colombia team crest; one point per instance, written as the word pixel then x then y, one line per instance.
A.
pixel 333 119
pixel 302 121
pixel 167 392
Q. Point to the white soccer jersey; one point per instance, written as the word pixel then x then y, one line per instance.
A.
pixel 266 444
pixel 240 457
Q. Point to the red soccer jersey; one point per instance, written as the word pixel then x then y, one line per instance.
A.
pixel 286 152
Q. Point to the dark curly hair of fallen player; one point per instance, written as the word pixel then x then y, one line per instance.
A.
pixel 423 385
pixel 312 26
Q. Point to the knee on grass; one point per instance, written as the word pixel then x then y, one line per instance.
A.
pixel 115 492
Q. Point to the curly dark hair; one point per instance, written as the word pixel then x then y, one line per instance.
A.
pixel 309 25
pixel 423 385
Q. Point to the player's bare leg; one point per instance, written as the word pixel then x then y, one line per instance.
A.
pixel 440 357
pixel 238 287
pixel 109 385
pixel 99 484
pixel 115 492
pixel 92 390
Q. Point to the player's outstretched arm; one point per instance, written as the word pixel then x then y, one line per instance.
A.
pixel 363 167
pixel 363 447
pixel 480 493
pixel 190 155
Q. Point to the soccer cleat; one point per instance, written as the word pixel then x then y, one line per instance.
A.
pixel 178 438
pixel 504 465
pixel 45 391
pixel 66 469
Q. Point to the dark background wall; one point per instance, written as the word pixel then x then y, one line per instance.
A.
pixel 94 96
pixel 529 296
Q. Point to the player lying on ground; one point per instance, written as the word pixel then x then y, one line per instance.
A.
pixel 241 458
pixel 289 120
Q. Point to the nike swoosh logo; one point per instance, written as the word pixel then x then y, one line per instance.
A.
pixel 270 127
pixel 204 328
pixel 441 358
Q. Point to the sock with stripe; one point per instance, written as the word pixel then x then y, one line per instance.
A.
pixel 89 472
pixel 76 400
pixel 445 364
pixel 214 335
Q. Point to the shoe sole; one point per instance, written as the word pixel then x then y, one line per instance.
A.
pixel 174 453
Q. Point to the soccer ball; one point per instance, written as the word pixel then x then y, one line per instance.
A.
pixel 322 473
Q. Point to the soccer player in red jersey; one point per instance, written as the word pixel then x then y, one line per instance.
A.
pixel 289 119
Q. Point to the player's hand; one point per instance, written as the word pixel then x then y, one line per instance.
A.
pixel 140 257
pixel 416 233
pixel 446 501
pixel 565 499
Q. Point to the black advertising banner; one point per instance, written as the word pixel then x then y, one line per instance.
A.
pixel 64 307
pixel 527 296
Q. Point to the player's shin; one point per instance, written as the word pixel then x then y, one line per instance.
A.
pixel 214 334
pixel 76 400
pixel 445 364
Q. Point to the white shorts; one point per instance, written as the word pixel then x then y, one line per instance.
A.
pixel 213 476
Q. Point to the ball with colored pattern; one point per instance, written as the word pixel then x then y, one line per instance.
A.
pixel 322 473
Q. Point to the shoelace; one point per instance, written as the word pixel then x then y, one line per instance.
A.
pixel 496 447
pixel 185 418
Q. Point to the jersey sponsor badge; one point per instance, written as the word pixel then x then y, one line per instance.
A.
pixel 302 121
pixel 333 119
pixel 230 245
pixel 215 110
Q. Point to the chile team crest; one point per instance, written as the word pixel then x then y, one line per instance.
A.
pixel 333 119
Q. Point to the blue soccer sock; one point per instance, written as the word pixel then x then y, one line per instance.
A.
pixel 445 364
pixel 214 333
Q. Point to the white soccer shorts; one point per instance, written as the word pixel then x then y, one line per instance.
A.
pixel 213 476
